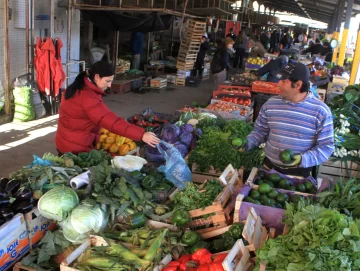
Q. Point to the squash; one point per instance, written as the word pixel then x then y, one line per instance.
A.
pixel 102 138
pixel 114 148
pixel 110 140
pixel 127 140
pixel 104 131
pixel 106 146
pixel 124 149
pixel 132 145
pixel 119 140
pixel 111 135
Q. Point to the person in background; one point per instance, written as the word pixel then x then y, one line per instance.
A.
pixel 286 41
pixel 275 42
pixel 265 39
pixel 273 68
pixel 240 47
pixel 83 113
pixel 220 64
pixel 137 46
pixel 257 49
pixel 316 49
pixel 327 51
pixel 297 121
pixel 231 34
pixel 200 58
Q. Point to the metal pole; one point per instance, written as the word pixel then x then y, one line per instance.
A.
pixel 337 27
pixel 148 48
pixel 68 52
pixel 52 15
pixel 172 38
pixel 27 26
pixel 345 33
pixel 6 48
pixel 32 12
pixel 355 64
pixel 115 48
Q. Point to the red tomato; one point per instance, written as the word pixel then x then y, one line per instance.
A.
pixel 204 267
pixel 219 258
pixel 199 254
pixel 241 101
pixel 170 268
pixel 184 258
pixel 173 263
pixel 216 267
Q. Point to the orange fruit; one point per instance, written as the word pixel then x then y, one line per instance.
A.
pixel 114 148
pixel 124 149
pixel 102 138
pixel 110 140
pixel 106 146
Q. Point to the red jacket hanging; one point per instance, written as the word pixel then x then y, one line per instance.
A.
pixel 81 117
pixel 48 68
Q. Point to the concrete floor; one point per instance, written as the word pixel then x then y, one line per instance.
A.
pixel 18 142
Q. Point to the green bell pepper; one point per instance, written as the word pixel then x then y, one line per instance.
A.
pixel 136 220
pixel 149 182
pixel 236 230
pixel 218 245
pixel 180 217
pixel 190 238
pixel 229 240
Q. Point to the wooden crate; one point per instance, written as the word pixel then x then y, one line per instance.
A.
pixel 20 267
pixel 217 214
pixel 122 69
pixel 239 256
pixel 158 82
pixel 180 81
pixel 120 86
pixel 334 170
pixel 154 68
pixel 253 175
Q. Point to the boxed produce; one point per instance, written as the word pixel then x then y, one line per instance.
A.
pixel 230 89
pixel 14 241
pixel 37 225
pixel 244 79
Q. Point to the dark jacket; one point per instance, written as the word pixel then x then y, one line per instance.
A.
pixel 137 43
pixel 204 47
pixel 275 41
pixel 265 40
pixel 315 49
pixel 233 36
pixel 81 118
pixel 286 41
pixel 273 68
pixel 221 60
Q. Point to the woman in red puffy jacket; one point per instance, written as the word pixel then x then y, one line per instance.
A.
pixel 83 113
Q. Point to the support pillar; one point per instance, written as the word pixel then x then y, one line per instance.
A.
pixel 345 33
pixel 355 64
pixel 337 28
pixel 6 50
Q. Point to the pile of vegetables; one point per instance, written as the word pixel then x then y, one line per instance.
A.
pixel 240 101
pixel 197 196
pixel 319 239
pixel 215 148
pixel 149 121
pixel 115 144
pixel 228 108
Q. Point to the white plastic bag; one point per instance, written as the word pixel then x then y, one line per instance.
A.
pixel 128 162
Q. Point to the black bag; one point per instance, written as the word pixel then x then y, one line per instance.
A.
pixel 216 63
pixel 192 81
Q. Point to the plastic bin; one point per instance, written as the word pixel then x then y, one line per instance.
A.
pixel 136 83
pixel 260 100
pixel 120 86
pixel 265 87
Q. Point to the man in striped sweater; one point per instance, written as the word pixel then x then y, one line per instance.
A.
pixel 294 120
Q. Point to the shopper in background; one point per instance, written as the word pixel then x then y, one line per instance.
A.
pixel 273 68
pixel 240 47
pixel 83 113
pixel 265 39
pixel 231 34
pixel 137 46
pixel 294 120
pixel 200 58
pixel 286 41
pixel 256 48
pixel 275 42
pixel 327 51
pixel 316 49
pixel 220 64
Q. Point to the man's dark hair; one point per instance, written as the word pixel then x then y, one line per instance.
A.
pixel 317 41
pixel 304 88
pixel 326 43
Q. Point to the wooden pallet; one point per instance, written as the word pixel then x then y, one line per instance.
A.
pixel 20 267
pixel 335 170
pixel 238 258
pixel 158 82
pixel 186 54
pixel 217 215
pixel 185 66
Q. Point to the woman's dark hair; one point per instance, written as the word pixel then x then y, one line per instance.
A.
pixel 101 68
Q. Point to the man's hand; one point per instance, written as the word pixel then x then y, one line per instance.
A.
pixel 150 139
pixel 296 161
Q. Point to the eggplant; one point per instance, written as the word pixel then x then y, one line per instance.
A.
pixel 4 200
pixel 3 183
pixel 12 186
pixel 23 207
pixel 23 193
pixel 6 213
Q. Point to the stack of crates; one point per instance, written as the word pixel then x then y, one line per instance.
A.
pixel 189 48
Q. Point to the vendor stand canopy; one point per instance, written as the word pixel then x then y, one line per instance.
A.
pixel 117 21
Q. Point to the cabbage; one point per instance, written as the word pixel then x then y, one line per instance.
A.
pixel 198 132
pixel 170 133
pixel 186 138
pixel 57 203
pixel 185 117
pixel 86 218
pixel 181 148
pixel 186 128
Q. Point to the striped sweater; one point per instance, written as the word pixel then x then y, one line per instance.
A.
pixel 305 127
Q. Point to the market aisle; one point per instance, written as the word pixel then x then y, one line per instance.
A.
pixel 18 142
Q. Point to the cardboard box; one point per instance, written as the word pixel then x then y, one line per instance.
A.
pixel 335 88
pixel 14 241
pixel 340 81
pixel 37 226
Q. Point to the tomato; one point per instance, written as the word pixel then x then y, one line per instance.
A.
pixel 184 258
pixel 216 267
pixel 173 263
pixel 204 267
pixel 199 254
pixel 219 257
pixel 170 268
pixel 241 101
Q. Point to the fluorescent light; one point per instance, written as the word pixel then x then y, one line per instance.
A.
pixel 300 4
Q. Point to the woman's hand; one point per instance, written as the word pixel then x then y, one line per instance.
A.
pixel 150 139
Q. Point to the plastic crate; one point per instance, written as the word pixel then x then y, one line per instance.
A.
pixel 260 100
pixel 265 87
pixel 136 83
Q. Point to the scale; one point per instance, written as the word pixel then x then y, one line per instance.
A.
pixel 302 38
pixel 334 43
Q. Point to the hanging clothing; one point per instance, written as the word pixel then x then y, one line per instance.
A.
pixel 49 71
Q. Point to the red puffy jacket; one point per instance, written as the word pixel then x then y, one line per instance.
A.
pixel 81 118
